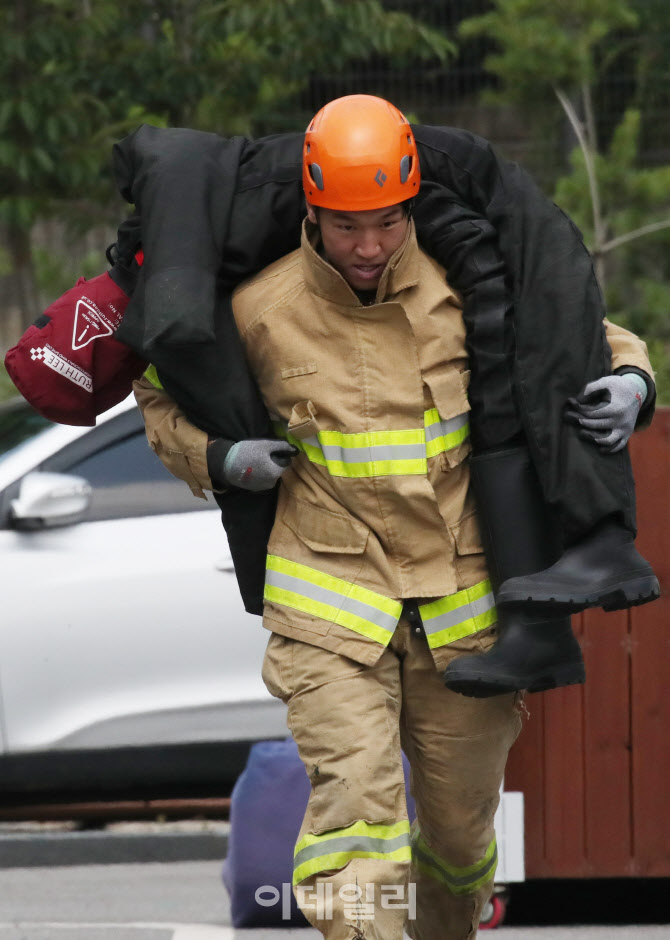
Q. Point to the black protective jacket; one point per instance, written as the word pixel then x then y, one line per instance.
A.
pixel 211 211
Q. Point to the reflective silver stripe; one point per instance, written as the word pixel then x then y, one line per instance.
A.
pixel 454 881
pixel 441 428
pixel 323 595
pixel 458 879
pixel 351 844
pixel 452 618
pixel 382 453
pixel 372 453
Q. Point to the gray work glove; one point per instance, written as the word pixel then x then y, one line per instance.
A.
pixel 606 410
pixel 257 464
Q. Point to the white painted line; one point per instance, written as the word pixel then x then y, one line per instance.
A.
pixel 202 932
pixel 100 925
pixel 178 931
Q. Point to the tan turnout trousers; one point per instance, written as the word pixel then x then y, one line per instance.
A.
pixel 359 871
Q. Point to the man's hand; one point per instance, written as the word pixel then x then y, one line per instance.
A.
pixel 606 410
pixel 257 464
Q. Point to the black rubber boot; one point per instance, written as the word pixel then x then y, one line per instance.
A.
pixel 603 570
pixel 533 652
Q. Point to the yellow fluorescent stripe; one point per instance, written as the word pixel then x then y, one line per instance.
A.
pixel 330 612
pixel 456 871
pixel 459 880
pixel 352 469
pixel 314 454
pixel 346 588
pixel 359 828
pixel 470 888
pixel 339 859
pixel 152 376
pixel 432 416
pixel 435 447
pixel 460 630
pixel 358 439
pixel 445 604
pixel 372 438
pixel 471 621
pixel 447 441
pixel 363 468
pixel 318 609
pixel 331 858
pixel 385 604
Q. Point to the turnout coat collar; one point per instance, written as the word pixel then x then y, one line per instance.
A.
pixel 325 281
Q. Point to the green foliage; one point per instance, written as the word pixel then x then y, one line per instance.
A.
pixel 242 60
pixel 76 75
pixel 56 272
pixel 543 43
pixel 638 270
pixel 7 387
pixel 545 48
pixel 5 262
pixel 653 53
pixel 634 196
pixel 48 113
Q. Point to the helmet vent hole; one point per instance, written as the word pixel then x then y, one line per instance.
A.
pixel 405 168
pixel 317 175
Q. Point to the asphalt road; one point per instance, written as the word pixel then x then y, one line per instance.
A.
pixel 162 881
pixel 177 901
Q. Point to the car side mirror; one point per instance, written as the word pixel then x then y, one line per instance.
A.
pixel 46 500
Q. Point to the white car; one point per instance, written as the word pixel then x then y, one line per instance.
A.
pixel 126 656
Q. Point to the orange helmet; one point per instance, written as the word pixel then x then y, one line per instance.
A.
pixel 359 153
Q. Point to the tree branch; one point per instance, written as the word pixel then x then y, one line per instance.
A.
pixel 637 233
pixel 589 162
pixel 588 159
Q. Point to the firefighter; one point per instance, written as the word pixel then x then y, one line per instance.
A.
pixel 528 288
pixel 376 579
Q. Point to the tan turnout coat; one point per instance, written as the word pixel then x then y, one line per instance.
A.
pixel 376 507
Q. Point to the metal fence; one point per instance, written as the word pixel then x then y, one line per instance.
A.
pixel 450 94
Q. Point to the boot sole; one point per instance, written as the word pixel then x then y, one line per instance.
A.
pixel 620 597
pixel 480 687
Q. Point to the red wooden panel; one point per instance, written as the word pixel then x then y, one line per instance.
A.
pixel 564 783
pixel 650 635
pixel 547 764
pixel 607 741
pixel 525 771
pixel 594 763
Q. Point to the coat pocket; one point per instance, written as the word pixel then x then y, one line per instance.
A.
pixel 467 535
pixel 450 393
pixel 322 530
pixel 471 566
pixel 450 397
pixel 303 422
pixel 469 555
pixel 326 543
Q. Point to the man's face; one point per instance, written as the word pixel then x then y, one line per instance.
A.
pixel 359 244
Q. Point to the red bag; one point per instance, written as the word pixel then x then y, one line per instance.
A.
pixel 68 364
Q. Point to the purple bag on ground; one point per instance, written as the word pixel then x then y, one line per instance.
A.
pixel 267 806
